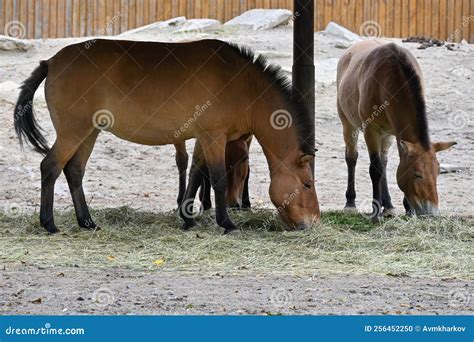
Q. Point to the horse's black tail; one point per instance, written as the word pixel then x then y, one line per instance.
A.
pixel 26 126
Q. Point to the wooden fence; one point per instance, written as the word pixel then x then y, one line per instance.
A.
pixel 443 19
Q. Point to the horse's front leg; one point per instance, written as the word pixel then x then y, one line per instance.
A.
pixel 214 151
pixel 376 172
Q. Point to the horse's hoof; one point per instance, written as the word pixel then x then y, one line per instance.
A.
pixel 350 208
pixel 89 225
pixel 389 212
pixel 232 231
pixel 52 229
pixel 376 219
pixel 188 225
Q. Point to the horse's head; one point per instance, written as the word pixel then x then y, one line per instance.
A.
pixel 293 192
pixel 417 175
pixel 237 163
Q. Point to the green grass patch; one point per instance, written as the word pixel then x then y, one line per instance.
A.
pixel 341 242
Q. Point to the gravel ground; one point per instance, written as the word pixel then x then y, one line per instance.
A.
pixel 58 291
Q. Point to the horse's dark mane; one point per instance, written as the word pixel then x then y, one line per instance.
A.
pixel 416 89
pixel 279 80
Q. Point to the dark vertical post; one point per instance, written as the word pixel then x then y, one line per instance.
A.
pixel 303 61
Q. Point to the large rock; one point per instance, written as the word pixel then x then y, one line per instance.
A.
pixel 14 44
pixel 167 25
pixel 341 32
pixel 199 25
pixel 261 19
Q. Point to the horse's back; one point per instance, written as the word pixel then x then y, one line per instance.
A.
pixel 137 81
pixel 369 77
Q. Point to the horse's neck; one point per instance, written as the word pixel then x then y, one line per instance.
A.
pixel 404 122
pixel 275 130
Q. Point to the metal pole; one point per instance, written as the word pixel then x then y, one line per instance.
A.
pixel 303 61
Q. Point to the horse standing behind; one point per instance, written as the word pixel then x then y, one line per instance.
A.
pixel 380 91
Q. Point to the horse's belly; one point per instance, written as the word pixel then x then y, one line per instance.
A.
pixel 149 130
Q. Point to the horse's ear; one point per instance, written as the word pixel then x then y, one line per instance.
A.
pixel 305 158
pixel 406 147
pixel 443 145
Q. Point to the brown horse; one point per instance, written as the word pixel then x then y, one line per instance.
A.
pixel 380 91
pixel 165 93
pixel 237 174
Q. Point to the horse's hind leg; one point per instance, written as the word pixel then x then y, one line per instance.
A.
pixel 51 166
pixel 182 164
pixel 388 207
pixel 74 172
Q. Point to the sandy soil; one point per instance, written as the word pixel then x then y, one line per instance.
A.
pixel 121 173
pixel 53 291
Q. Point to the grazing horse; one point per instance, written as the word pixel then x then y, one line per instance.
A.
pixel 380 91
pixel 165 93
pixel 238 171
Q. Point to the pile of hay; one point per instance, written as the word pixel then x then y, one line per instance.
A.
pixel 341 242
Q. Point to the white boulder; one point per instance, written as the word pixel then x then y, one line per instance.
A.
pixel 261 19
pixel 341 32
pixel 14 44
pixel 199 25
pixel 170 24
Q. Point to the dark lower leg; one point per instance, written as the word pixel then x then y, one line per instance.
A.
pixel 386 199
pixel 50 171
pixel 376 173
pixel 182 164
pixel 245 194
pixel 218 181
pixel 205 190
pixel 74 174
pixel 351 161
pixel 186 208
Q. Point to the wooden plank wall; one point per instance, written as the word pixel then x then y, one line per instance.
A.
pixel 442 19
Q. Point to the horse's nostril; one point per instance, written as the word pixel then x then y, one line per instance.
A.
pixel 301 226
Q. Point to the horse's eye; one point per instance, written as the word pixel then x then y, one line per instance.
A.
pixel 307 185
pixel 418 175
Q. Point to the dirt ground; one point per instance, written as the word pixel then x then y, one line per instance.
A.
pixel 55 290
pixel 121 173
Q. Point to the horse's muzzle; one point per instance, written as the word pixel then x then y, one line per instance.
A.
pixel 426 208
pixel 300 226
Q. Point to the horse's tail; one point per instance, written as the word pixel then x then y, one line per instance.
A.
pixel 26 126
